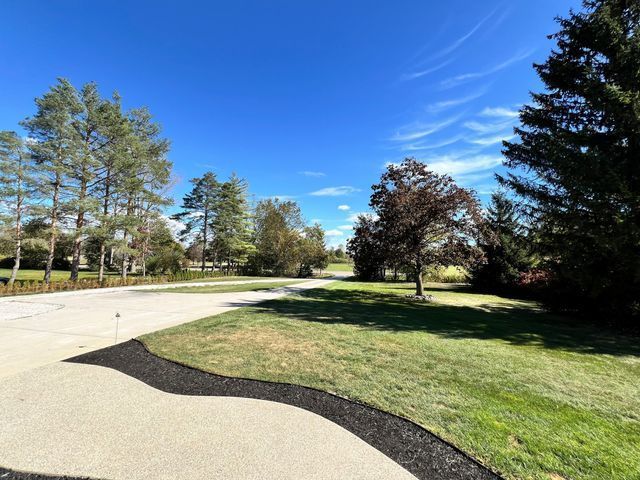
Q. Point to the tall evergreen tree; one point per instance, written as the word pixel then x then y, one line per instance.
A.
pixel 198 210
pixel 143 188
pixel 17 188
pixel 94 133
pixel 110 179
pixel 579 148
pixel 230 224
pixel 367 250
pixel 54 148
pixel 504 246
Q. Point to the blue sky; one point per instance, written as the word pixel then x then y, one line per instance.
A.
pixel 306 100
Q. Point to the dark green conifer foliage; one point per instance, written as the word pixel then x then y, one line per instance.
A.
pixel 577 162
pixel 504 245
pixel 198 209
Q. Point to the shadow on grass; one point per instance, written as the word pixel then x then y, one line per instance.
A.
pixel 518 325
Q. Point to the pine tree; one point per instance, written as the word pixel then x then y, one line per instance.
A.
pixel 17 188
pixel 366 249
pixel 580 148
pixel 53 148
pixel 230 223
pixel 504 246
pixel 94 133
pixel 143 189
pixel 198 210
pixel 111 177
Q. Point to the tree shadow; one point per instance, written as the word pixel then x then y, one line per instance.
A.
pixel 519 324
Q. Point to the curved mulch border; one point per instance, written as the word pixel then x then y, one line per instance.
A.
pixel 420 452
pixel 13 475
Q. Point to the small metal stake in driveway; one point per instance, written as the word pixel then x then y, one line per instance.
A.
pixel 117 323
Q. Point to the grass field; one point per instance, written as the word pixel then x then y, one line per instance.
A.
pixel 339 267
pixel 230 278
pixel 529 394
pixel 245 287
pixel 56 275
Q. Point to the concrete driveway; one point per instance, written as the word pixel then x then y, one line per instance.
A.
pixel 91 421
pixel 40 329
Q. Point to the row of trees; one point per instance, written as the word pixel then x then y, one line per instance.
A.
pixel 271 239
pixel 87 169
pixel 90 180
pixel 568 223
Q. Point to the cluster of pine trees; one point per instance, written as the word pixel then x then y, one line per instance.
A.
pixel 89 183
pixel 224 232
pixel 86 170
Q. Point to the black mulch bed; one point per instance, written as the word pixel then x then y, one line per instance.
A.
pixel 420 452
pixel 11 475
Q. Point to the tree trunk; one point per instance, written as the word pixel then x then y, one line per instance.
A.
pixel 123 270
pixel 103 254
pixel 77 248
pixel 54 224
pixel 204 239
pixel 77 240
pixel 16 263
pixel 419 284
pixel 105 212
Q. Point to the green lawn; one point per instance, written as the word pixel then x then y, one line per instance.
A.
pixel 339 267
pixel 529 394
pixel 56 275
pixel 245 287
pixel 230 278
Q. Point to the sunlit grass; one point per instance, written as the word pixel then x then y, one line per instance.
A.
pixel 245 287
pixel 529 394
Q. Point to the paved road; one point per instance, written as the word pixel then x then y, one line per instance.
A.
pixel 40 329
pixel 91 421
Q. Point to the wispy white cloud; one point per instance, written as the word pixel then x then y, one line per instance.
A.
pixel 460 41
pixel 345 227
pixel 427 71
pixel 335 191
pixel 489 128
pixel 344 208
pixel 455 166
pixel 454 102
pixel 282 198
pixel 307 173
pixel 209 166
pixel 333 233
pixel 467 77
pixel 415 147
pixel 469 179
pixel 499 112
pixel 421 130
pixel 488 141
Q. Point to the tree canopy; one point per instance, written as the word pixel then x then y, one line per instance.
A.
pixel 576 165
